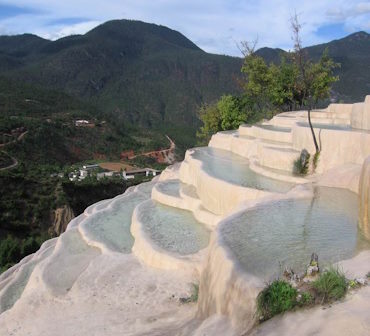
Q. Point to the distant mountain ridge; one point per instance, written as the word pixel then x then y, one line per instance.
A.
pixel 152 76
pixel 145 74
pixel 352 52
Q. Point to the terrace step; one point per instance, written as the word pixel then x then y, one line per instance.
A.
pixel 278 157
pixel 168 237
pixel 278 174
pixel 14 282
pixel 70 258
pixel 268 132
pixel 176 194
pixel 223 179
pixel 109 229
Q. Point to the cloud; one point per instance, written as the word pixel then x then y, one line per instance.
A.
pixel 215 25
pixel 60 30
pixel 346 12
pixel 68 21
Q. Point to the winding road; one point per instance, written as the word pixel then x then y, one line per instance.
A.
pixel 164 152
pixel 15 161
pixel 14 164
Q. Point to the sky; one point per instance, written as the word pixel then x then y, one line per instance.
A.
pixel 216 26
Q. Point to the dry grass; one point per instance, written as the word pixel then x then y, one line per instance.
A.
pixel 115 166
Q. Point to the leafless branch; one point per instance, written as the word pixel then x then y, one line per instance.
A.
pixel 247 48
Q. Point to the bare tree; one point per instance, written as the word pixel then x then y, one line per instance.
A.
pixel 302 62
pixel 247 48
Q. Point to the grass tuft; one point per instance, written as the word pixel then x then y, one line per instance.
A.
pixel 306 299
pixel 195 293
pixel 315 160
pixel 331 285
pixel 278 297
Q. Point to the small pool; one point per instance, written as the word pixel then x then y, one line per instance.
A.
pixel 230 167
pixel 111 226
pixel 285 233
pixel 173 229
pixel 170 187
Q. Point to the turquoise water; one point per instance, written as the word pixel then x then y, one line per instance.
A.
pixel 112 225
pixel 170 187
pixel 173 229
pixel 230 167
pixel 287 232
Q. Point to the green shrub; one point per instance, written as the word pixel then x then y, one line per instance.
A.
pixel 278 297
pixel 29 246
pixel 301 165
pixel 331 285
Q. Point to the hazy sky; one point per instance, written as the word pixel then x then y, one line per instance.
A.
pixel 214 25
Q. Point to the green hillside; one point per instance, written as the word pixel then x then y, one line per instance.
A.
pixel 352 52
pixel 31 191
pixel 143 74
pixel 153 77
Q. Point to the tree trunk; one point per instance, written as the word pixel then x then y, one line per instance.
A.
pixel 312 130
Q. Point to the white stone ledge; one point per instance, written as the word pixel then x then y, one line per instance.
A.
pixel 218 196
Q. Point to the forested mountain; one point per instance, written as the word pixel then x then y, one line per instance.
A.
pixel 144 74
pixel 153 77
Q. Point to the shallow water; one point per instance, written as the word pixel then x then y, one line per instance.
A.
pixel 173 229
pixel 145 187
pixel 170 187
pixel 233 168
pixel 286 233
pixel 112 225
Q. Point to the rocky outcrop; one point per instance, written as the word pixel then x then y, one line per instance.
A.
pixel 60 218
